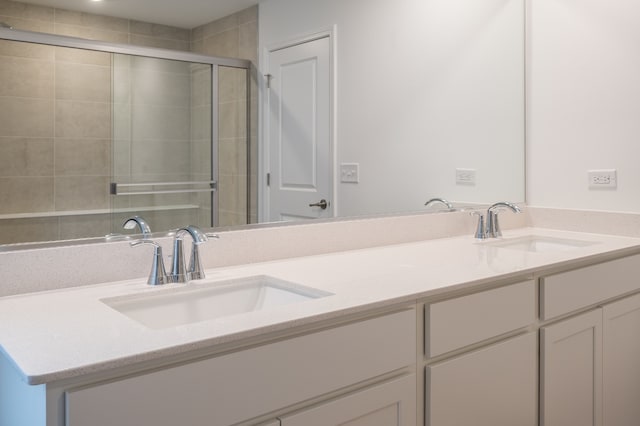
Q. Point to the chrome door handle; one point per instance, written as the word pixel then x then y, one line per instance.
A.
pixel 322 204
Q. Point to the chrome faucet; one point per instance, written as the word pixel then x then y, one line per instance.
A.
pixel 158 274
pixel 481 229
pixel 140 223
pixel 179 273
pixel 491 229
pixel 439 200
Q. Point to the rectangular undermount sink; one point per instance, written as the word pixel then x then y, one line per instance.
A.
pixel 539 244
pixel 193 303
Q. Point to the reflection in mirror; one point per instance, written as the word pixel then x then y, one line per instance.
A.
pixel 55 142
pixel 166 164
pixel 161 162
pixel 430 99
pixel 90 138
pixel 429 104
pixel 236 152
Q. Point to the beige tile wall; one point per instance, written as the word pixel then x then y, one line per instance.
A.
pixel 56 124
pixel 57 134
pixel 234 36
pixel 30 17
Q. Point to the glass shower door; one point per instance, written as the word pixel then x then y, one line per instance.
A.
pixel 162 144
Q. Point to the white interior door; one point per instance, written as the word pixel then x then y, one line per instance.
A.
pixel 300 171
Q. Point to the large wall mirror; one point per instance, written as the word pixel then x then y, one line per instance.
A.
pixel 89 138
pixel 429 97
pixel 427 101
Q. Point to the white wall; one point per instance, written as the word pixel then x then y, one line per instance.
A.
pixel 583 89
pixel 424 86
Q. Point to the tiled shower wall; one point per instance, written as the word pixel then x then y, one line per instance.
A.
pixel 235 36
pixel 63 161
pixel 96 27
pixel 55 132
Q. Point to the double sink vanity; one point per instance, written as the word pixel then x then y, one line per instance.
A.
pixel 539 327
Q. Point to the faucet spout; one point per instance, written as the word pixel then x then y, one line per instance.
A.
pixel 195 270
pixel 493 226
pixel 140 223
pixel 439 200
pixel 514 208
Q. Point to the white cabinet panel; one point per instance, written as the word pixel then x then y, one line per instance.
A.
pixel 621 360
pixel 571 371
pixel 495 386
pixel 455 323
pixel 569 291
pixel 240 386
pixel 392 403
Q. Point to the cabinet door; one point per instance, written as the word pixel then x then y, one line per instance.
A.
pixel 243 385
pixel 496 386
pixel 621 360
pixel 571 371
pixel 392 403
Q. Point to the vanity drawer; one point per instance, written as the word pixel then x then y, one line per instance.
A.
pixel 459 322
pixel 243 385
pixel 570 291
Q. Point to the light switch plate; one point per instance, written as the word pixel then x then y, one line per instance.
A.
pixel 349 173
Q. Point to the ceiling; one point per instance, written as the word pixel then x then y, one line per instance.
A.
pixel 176 13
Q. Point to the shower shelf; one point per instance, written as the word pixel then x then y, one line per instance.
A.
pixel 97 211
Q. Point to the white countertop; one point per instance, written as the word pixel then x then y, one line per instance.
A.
pixel 63 334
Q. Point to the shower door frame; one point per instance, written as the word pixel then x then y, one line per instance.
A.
pixel 152 52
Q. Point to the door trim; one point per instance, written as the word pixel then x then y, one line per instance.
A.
pixel 263 128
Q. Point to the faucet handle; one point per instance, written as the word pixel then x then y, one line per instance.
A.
pixel 481 231
pixel 158 274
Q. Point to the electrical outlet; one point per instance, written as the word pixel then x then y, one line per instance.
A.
pixel 602 179
pixel 349 172
pixel 466 177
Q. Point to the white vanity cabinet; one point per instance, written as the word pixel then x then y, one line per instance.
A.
pixel 590 362
pixel 621 362
pixel 542 347
pixel 462 321
pixel 392 403
pixel 251 383
pixel 570 291
pixel 495 384
pixel 571 371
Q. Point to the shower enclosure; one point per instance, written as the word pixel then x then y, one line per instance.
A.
pixel 94 132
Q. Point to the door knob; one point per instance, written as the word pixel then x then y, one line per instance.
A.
pixel 322 204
